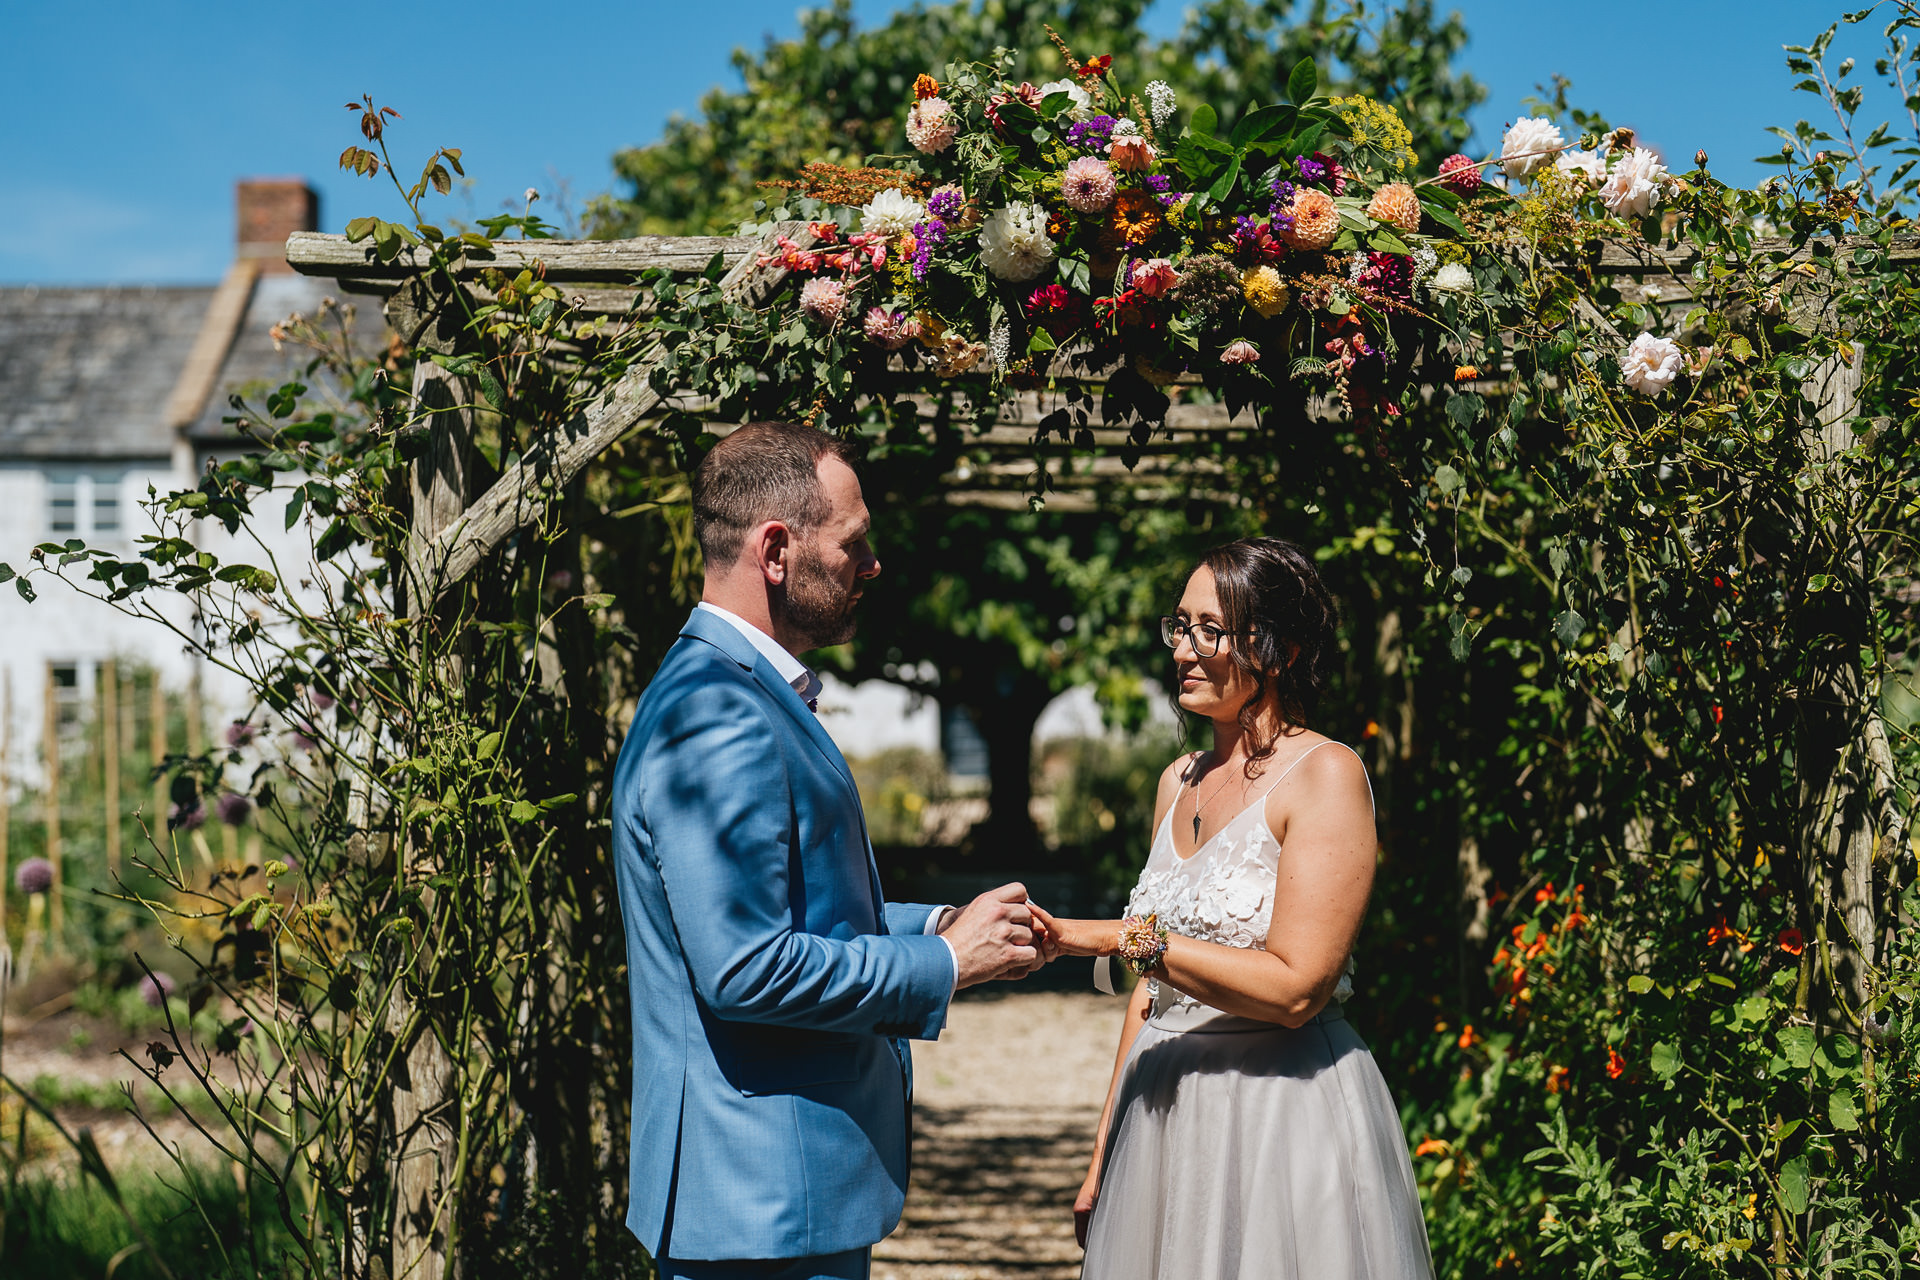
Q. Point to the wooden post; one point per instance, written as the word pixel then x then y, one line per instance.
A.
pixel 110 744
pixel 128 742
pixel 157 739
pixel 426 1097
pixel 50 805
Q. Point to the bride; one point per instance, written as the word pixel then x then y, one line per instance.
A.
pixel 1247 1131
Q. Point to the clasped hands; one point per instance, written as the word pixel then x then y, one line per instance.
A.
pixel 1001 934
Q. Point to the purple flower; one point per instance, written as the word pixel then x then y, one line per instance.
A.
pixel 233 809
pixel 321 701
pixel 1092 135
pixel 927 236
pixel 155 988
pixel 241 732
pixel 1310 169
pixel 1388 273
pixel 186 817
pixel 35 875
pixel 1281 210
pixel 945 202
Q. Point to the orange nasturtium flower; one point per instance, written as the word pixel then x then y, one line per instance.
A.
pixel 1791 942
pixel 1469 1037
pixel 925 86
pixel 1545 895
pixel 1433 1147
pixel 1556 1079
pixel 1616 1065
pixel 1465 372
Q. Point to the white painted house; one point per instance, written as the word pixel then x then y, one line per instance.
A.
pixel 103 393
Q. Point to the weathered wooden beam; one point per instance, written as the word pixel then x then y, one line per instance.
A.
pixel 1635 258
pixel 553 460
pixel 610 262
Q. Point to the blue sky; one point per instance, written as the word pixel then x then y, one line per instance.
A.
pixel 132 120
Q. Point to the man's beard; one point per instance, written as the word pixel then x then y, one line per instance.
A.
pixel 816 610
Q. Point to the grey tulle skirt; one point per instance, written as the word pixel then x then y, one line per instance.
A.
pixel 1246 1151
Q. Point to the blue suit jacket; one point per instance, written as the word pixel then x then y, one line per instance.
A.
pixel 769 983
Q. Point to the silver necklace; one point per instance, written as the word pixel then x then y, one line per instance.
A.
pixel 1194 786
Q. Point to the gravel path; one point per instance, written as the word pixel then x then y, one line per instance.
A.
pixel 1005 1105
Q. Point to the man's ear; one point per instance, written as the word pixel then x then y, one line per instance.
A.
pixel 773 550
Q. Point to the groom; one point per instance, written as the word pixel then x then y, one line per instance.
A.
pixel 771 985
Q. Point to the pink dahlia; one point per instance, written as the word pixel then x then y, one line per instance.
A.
pixel 1460 174
pixel 890 329
pixel 1087 184
pixel 1155 277
pixel 1240 351
pixel 932 125
pixel 823 299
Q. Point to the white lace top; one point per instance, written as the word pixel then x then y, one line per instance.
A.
pixel 1222 892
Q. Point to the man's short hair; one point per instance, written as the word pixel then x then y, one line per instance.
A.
pixel 763 471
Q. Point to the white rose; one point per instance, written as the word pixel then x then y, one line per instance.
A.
pixel 1452 277
pixel 1082 108
pixel 1585 164
pixel 892 213
pixel 1651 364
pixel 1529 146
pixel 1014 244
pixel 1635 184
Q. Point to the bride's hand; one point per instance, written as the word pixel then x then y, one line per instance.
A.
pixel 1073 937
pixel 1083 1205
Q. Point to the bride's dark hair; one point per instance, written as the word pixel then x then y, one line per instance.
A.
pixel 1268 587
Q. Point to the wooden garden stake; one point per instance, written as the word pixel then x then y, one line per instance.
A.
pixel 157 735
pixel 6 796
pixel 50 754
pixel 110 744
pixel 196 742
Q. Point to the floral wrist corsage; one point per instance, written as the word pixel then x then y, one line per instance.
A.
pixel 1142 943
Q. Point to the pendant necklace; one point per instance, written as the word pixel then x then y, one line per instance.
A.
pixel 1195 787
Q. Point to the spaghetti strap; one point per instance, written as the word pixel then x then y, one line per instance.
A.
pixel 1309 751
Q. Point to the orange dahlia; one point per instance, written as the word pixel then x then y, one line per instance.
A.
pixel 1396 204
pixel 1315 221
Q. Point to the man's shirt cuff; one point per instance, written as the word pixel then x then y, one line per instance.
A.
pixel 934 918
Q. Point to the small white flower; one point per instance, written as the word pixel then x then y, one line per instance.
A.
pixel 1014 244
pixel 1651 364
pixel 1584 164
pixel 892 213
pixel 1160 102
pixel 1452 277
pixel 1634 186
pixel 1082 108
pixel 1000 343
pixel 1425 261
pixel 1529 146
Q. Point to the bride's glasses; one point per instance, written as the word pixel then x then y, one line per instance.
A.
pixel 1203 636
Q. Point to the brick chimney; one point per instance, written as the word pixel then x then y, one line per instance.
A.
pixel 270 210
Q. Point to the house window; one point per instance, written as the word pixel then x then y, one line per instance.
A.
pixel 63 504
pixel 83 504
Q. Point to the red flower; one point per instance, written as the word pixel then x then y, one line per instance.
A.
pixel 1791 942
pixel 1718 713
pixel 1469 1037
pixel 1095 66
pixel 1432 1147
pixel 1544 895
pixel 1556 1079
pixel 1616 1065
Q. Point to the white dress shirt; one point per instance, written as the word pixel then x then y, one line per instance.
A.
pixel 807 683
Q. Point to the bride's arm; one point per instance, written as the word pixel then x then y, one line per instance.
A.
pixel 1325 820
pixel 1137 1009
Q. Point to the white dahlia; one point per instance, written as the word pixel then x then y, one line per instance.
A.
pixel 1651 364
pixel 892 213
pixel 932 125
pixel 1634 186
pixel 1529 146
pixel 1014 243
pixel 1452 277
pixel 1082 108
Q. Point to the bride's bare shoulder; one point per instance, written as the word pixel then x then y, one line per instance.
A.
pixel 1172 778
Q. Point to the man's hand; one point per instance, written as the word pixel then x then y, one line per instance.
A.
pixel 993 937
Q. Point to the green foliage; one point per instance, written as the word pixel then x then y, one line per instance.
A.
pixel 839 93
